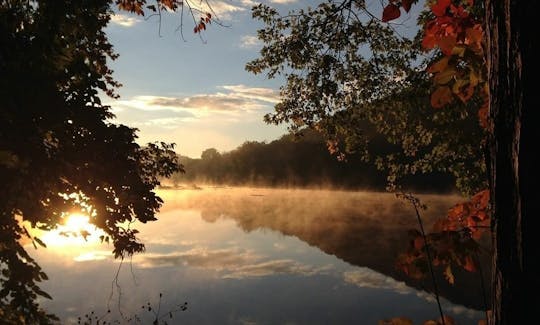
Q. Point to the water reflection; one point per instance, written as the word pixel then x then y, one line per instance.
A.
pixel 253 256
pixel 361 228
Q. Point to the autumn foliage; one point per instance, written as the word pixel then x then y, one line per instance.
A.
pixel 139 7
pixel 454 33
pixel 454 28
pixel 453 241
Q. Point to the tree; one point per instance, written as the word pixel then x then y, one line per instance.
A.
pixel 60 152
pixel 351 76
pixel 512 59
pixel 325 90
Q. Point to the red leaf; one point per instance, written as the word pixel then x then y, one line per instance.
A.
pixel 418 243
pixel 447 43
pixel 469 264
pixel 439 8
pixel 390 12
pixel 407 4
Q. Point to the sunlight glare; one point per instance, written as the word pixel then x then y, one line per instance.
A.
pixel 76 230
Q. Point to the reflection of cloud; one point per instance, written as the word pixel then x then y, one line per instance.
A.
pixel 124 21
pixel 233 263
pixel 367 278
pixel 249 41
pixel 219 259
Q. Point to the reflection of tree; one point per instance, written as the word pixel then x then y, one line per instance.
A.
pixel 368 230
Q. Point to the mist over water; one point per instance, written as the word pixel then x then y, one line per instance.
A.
pixel 261 256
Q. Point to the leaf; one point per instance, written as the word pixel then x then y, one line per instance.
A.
pixel 469 264
pixel 441 97
pixel 396 321
pixel 151 7
pixel 406 4
pixel 448 275
pixel 439 65
pixel 418 243
pixel 458 85
pixel 447 44
pixel 390 12
pixel 474 79
pixel 40 242
pixel 448 320
pixel 439 7
pixel 459 51
pixel 445 76
pixel 42 293
pixel 84 234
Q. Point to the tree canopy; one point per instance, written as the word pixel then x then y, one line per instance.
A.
pixel 348 73
pixel 60 151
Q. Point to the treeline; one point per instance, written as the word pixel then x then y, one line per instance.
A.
pixel 292 162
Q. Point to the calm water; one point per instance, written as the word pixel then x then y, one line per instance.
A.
pixel 258 256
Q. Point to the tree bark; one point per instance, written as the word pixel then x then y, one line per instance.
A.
pixel 512 43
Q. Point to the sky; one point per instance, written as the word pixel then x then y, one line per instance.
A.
pixel 190 90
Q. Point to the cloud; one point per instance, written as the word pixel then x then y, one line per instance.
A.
pixel 223 10
pixel 261 94
pixel 249 42
pixel 232 263
pixel 123 20
pixel 136 113
pixel 211 102
pixel 282 2
pixel 93 256
pixel 235 99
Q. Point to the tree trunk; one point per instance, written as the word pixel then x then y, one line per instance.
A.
pixel 512 42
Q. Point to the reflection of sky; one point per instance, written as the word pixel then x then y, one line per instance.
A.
pixel 229 276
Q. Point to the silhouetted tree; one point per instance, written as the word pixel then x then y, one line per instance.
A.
pixel 59 150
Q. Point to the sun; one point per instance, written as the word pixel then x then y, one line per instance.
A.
pixel 75 230
pixel 76 222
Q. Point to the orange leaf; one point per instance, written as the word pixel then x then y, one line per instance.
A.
pixel 483 113
pixel 448 320
pixel 469 264
pixel 390 12
pixel 441 97
pixel 396 321
pixel 444 76
pixel 439 65
pixel 430 322
pixel 466 93
pixel 449 275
